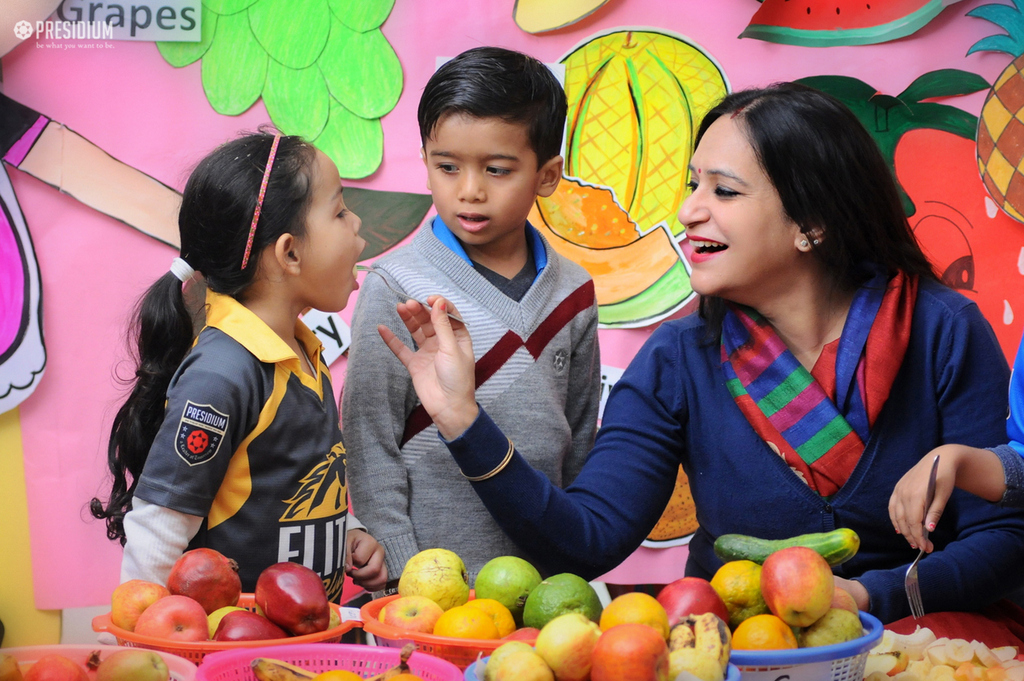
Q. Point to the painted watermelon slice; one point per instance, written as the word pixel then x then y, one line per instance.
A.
pixel 828 23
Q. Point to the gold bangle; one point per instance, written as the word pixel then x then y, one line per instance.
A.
pixel 497 469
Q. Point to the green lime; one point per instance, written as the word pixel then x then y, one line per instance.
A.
pixel 558 595
pixel 508 580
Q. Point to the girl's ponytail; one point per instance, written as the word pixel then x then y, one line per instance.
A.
pixel 215 221
pixel 162 331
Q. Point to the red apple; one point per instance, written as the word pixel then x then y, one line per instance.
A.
pixel 242 625
pixel 797 585
pixel 630 651
pixel 528 634
pixel 178 618
pixel 842 599
pixel 206 576
pixel 415 613
pixel 690 596
pixel 130 599
pixel 55 667
pixel 294 598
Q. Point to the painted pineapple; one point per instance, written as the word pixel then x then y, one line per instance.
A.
pixel 1000 129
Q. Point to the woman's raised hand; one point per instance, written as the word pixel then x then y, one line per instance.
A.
pixel 443 366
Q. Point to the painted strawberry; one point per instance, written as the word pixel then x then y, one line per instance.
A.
pixel 975 248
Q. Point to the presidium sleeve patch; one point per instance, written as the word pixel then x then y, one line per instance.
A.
pixel 200 433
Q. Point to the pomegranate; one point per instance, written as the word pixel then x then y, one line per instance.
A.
pixel 206 576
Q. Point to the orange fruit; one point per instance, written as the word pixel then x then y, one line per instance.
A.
pixel 738 582
pixel 338 675
pixel 463 621
pixel 763 632
pixel 406 676
pixel 501 615
pixel 635 607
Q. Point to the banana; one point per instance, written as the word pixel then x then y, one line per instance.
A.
pixel 712 637
pixel 696 663
pixel 269 669
pixel 681 636
pixel 402 667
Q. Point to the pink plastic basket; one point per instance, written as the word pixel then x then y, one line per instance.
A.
pixel 180 668
pixel 234 665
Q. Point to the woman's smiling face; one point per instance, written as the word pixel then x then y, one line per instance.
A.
pixel 741 244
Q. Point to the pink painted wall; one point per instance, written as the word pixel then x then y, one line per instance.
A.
pixel 130 102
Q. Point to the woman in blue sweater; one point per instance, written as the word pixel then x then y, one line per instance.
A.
pixel 825 361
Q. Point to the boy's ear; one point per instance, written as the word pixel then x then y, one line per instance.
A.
pixel 287 253
pixel 423 157
pixel 549 175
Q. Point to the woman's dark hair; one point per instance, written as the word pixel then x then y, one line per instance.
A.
pixel 832 180
pixel 216 212
pixel 492 82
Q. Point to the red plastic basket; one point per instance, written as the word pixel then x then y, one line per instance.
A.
pixel 460 651
pixel 196 651
pixel 232 665
pixel 180 668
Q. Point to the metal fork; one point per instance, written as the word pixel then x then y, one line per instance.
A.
pixel 403 294
pixel 911 583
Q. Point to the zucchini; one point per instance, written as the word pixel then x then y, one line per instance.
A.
pixel 837 546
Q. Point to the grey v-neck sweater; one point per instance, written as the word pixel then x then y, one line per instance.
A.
pixel 542 366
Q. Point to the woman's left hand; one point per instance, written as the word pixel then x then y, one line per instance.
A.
pixel 367 567
pixel 857 590
pixel 443 366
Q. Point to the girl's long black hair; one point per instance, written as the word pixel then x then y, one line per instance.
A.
pixel 830 176
pixel 216 212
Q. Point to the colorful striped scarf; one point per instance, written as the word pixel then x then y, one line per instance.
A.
pixel 820 437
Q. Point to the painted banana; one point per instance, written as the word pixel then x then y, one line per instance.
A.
pixel 712 637
pixel 269 669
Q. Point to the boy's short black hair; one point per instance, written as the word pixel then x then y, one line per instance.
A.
pixel 492 82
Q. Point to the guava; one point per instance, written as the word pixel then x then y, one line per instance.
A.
pixel 438 574
pixel 558 595
pixel 508 580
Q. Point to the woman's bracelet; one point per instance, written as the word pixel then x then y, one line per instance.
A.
pixel 497 469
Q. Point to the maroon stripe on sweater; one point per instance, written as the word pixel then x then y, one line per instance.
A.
pixel 579 300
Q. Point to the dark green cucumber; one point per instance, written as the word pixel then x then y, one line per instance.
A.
pixel 837 546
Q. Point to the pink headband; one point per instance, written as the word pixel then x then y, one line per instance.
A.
pixel 259 200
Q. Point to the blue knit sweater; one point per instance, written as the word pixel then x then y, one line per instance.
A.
pixel 671 406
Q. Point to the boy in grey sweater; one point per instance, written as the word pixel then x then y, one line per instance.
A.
pixel 491 123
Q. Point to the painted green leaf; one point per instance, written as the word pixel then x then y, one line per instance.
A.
pixel 361 15
pixel 362 71
pixel 182 54
pixel 356 145
pixel 944 83
pixel 235 66
pixel 388 217
pixel 293 33
pixel 228 6
pixel 297 99
pixel 1010 19
pixel 887 118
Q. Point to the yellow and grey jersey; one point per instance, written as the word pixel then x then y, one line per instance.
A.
pixel 252 443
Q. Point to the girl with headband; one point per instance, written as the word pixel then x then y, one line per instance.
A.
pixel 230 439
